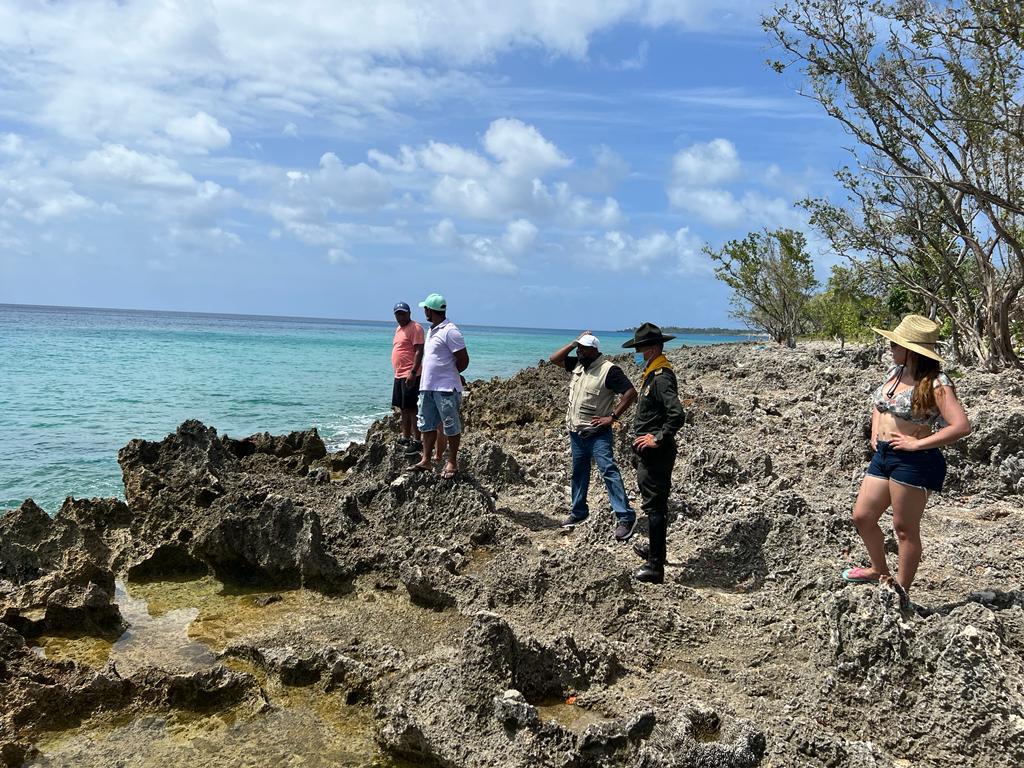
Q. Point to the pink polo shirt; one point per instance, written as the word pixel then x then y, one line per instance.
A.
pixel 403 348
pixel 440 373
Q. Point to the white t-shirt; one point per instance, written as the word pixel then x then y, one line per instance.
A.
pixel 440 373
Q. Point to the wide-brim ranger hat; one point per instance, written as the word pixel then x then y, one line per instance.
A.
pixel 916 333
pixel 646 335
pixel 436 302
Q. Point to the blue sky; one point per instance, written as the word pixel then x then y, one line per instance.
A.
pixel 545 164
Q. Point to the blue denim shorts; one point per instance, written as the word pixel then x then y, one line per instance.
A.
pixel 439 408
pixel 918 469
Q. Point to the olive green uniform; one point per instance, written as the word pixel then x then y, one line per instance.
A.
pixel 658 413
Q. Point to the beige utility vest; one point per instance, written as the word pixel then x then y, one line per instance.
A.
pixel 588 395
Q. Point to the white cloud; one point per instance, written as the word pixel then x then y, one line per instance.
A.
pixel 472 187
pixel 117 163
pixel 356 186
pixel 723 209
pixel 206 239
pixel 32 191
pixel 520 236
pixel 521 150
pixel 406 162
pixel 620 251
pixel 454 160
pixel 716 206
pixel 706 164
pixel 290 129
pixel 339 255
pixel 310 195
pixel 488 253
pixel 120 72
pixel 60 205
pixel 199 132
pixel 697 178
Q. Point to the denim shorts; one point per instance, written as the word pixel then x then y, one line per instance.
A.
pixel 918 469
pixel 439 408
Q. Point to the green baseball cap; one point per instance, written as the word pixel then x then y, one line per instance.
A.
pixel 436 302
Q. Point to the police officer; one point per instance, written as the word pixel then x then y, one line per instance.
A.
pixel 659 415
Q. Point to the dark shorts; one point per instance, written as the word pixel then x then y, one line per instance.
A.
pixel 404 395
pixel 918 469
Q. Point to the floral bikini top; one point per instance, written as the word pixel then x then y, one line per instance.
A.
pixel 900 405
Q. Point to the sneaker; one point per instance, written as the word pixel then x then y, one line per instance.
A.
pixel 625 529
pixel 571 522
pixel 641 548
pixel 413 448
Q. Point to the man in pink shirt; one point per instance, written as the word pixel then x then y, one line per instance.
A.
pixel 406 359
pixel 444 358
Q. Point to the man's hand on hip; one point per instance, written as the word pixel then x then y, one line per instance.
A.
pixel 644 442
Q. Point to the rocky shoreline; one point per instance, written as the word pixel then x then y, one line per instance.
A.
pixel 456 617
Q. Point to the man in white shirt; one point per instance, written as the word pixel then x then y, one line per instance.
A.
pixel 444 358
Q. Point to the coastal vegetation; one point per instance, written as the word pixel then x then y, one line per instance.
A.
pixel 772 277
pixel 933 215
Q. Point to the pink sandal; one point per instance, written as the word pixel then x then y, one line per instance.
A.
pixel 859 575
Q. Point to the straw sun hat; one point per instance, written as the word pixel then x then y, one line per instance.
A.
pixel 915 333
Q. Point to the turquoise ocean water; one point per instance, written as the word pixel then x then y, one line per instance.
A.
pixel 77 384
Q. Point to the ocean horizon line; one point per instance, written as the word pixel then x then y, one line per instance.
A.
pixel 324 320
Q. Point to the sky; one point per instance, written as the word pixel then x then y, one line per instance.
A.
pixel 545 164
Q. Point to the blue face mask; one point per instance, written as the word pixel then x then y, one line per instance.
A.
pixel 639 357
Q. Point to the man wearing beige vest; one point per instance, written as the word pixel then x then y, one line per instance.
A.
pixel 595 383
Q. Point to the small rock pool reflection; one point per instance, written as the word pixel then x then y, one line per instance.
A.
pixel 184 625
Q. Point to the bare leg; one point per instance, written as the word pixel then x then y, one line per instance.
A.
pixel 453 456
pixel 907 508
pixel 408 422
pixel 442 443
pixel 428 448
pixel 872 501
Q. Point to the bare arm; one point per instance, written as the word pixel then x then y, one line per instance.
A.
pixel 461 359
pixel 625 402
pixel 558 357
pixel 957 425
pixel 874 428
pixel 416 363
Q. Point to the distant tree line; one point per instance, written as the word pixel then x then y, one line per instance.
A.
pixel 679 329
pixel 933 220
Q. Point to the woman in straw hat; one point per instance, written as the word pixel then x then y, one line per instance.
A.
pixel 915 413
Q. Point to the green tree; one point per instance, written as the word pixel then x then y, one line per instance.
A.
pixel 842 310
pixel 772 278
pixel 931 94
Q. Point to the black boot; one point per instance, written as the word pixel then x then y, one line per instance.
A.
pixel 642 549
pixel 652 573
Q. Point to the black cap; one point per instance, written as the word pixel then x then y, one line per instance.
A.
pixel 402 307
pixel 646 335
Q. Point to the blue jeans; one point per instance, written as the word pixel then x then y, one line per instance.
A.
pixel 597 446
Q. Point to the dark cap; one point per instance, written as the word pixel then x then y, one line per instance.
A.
pixel 646 335
pixel 402 307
